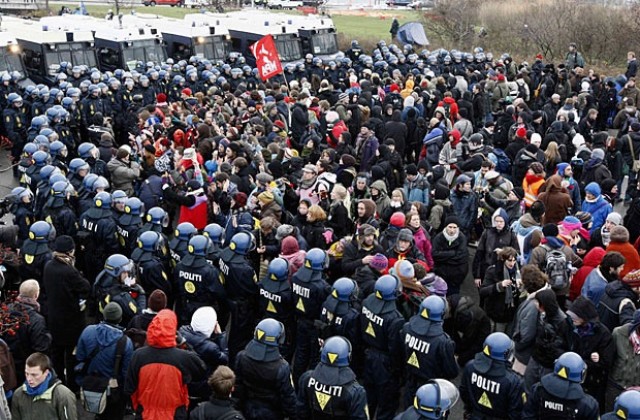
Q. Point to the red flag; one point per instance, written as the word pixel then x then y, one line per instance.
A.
pixel 267 60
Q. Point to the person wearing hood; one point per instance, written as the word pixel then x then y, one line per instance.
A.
pixel 366 147
pixel 591 261
pixel 620 243
pixel 450 255
pixel 428 350
pixel 389 236
pixel 596 205
pixel 492 240
pixel 42 396
pixel 524 160
pixel 560 391
pixel 421 237
pixel 595 171
pixel 607 272
pixel 597 348
pixel 159 373
pixel 156 302
pixel 469 328
pixel 565 171
pixel 397 130
pixel 630 220
pixel 239 217
pixel 264 387
pixel 449 154
pixel 360 251
pixel 433 142
pixel 465 204
pixel 624 373
pixel 416 186
pixel 205 337
pixel 291 252
pixel 193 203
pixel 557 202
pixel 404 249
pixel 378 190
pixel 532 182
pixel 98 346
pixel 502 398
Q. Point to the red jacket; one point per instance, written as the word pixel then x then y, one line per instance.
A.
pixel 590 262
pixel 158 374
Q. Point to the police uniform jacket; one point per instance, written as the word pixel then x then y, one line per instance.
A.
pixel 557 398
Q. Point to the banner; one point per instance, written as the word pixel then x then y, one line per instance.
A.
pixel 267 60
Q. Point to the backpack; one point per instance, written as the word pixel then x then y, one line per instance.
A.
pixel 551 343
pixel 522 91
pixel 627 123
pixel 446 212
pixel 557 268
pixel 503 163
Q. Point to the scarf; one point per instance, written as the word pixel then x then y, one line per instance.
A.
pixel 634 338
pixel 29 301
pixel 307 183
pixel 586 330
pixel 64 258
pixel 450 238
pixel 40 389
pixel 514 276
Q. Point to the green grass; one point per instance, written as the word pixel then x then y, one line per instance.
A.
pixel 363 26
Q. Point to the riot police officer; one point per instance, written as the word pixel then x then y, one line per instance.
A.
pixel 124 289
pixel 128 225
pixel 241 284
pixel 78 169
pixel 97 236
pixel 626 407
pixel 380 325
pixel 57 211
pixel 32 175
pixel 276 301
pixel 340 315
pixel 214 232
pixel 36 253
pixel 196 282
pixel 310 290
pixel 331 390
pixel 14 118
pixel 147 256
pixel 263 377
pixel 157 220
pixel 179 244
pixel 559 395
pixel 90 153
pixel 428 350
pixel 22 210
pixel 433 400
pixel 43 188
pixel 489 388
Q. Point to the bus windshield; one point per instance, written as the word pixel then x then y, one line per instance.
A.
pixel 289 48
pixel 11 62
pixel 324 43
pixel 145 51
pixel 75 53
pixel 213 48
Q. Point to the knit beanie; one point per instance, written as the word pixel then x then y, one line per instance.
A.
pixel 157 301
pixel 404 270
pixel 619 234
pixel 405 235
pixel 452 220
pixel 64 244
pixel 204 320
pixel 632 279
pixel 397 219
pixel 614 218
pixel 266 197
pixel 583 308
pixel 550 229
pixel 112 313
pixel 379 262
pixel 240 198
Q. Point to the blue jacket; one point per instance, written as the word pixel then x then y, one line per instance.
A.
pixel 417 190
pixel 105 336
pixel 593 287
pixel 465 206
pixel 599 211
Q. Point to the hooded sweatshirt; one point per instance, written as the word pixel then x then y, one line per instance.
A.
pixel 556 200
pixel 158 374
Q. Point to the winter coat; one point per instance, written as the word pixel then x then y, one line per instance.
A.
pixel 625 371
pixel 490 241
pixel 494 294
pixel 433 141
pixel 383 200
pixel 598 340
pixel 539 258
pixel 123 175
pixel 594 285
pixel 417 190
pixel 104 337
pixel 32 336
pixel 65 286
pixel 544 352
pixel 367 152
pixel 397 130
pixel 57 402
pixel 353 255
pixel 422 242
pixel 617 305
pixel 556 200
pixel 466 208
pixel 210 353
pixel 272 209
pixel 525 326
pixel 159 372
pixel 590 262
pixel 471 328
pixel 629 253
pixel 599 210
pixel 314 233
pixel 339 221
pixel 451 260
pixel 437 211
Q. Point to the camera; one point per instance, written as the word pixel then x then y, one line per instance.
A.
pixel 5 204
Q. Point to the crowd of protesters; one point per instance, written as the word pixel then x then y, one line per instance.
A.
pixel 198 237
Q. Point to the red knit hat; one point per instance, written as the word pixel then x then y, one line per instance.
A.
pixel 632 279
pixel 187 91
pixel 289 245
pixel 397 219
pixel 394 88
pixel 521 132
pixel 161 99
pixel 500 77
